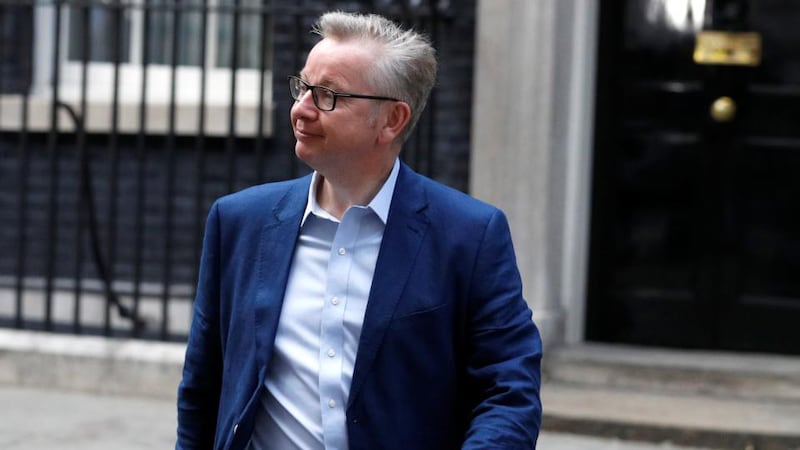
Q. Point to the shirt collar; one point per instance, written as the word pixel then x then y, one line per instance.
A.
pixel 379 205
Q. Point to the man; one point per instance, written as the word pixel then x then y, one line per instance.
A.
pixel 363 306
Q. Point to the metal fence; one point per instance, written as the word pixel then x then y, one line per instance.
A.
pixel 120 123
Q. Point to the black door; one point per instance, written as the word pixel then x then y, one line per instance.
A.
pixel 695 237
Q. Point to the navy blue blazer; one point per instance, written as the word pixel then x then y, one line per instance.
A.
pixel 448 355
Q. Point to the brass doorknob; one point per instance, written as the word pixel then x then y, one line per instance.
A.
pixel 723 109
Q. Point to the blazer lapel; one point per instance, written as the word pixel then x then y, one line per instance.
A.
pixel 402 237
pixel 276 249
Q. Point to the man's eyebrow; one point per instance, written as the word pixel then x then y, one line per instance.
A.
pixel 329 83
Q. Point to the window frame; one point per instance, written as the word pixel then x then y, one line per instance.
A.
pixel 158 96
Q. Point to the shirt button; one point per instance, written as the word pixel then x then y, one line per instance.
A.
pixel 331 352
pixel 331 403
pixel 342 251
pixel 335 301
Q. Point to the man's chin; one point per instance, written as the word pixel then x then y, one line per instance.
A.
pixel 304 154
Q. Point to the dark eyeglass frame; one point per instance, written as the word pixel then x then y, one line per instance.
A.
pixel 313 88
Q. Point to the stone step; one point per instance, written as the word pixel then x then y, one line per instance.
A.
pixel 708 399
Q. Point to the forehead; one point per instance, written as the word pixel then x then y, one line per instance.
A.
pixel 339 64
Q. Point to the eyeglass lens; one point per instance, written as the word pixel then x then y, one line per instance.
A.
pixel 323 98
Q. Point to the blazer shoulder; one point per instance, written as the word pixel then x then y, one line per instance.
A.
pixel 265 196
pixel 451 202
pixel 255 205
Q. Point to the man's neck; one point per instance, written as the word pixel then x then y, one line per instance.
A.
pixel 336 194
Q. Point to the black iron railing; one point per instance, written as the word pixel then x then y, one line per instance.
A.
pixel 120 123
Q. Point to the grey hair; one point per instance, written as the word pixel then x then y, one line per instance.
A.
pixel 405 67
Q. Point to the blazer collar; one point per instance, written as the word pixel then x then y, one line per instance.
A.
pixel 276 250
pixel 402 237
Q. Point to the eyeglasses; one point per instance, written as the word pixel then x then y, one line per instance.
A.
pixel 324 98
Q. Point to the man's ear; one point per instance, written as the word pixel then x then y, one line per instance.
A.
pixel 397 116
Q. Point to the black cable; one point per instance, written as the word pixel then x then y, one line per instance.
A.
pixel 94 239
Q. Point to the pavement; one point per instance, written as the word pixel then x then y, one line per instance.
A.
pixel 48 419
pixel 696 398
pixel 39 419
pixel 82 392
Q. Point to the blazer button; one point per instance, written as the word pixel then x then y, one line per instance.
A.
pixel 235 428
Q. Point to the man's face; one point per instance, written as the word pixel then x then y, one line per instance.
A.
pixel 346 136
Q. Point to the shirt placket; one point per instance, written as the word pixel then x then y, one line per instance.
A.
pixel 332 401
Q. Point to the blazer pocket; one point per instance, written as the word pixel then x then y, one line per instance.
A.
pixel 425 316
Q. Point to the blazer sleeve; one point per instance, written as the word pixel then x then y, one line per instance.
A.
pixel 199 390
pixel 505 349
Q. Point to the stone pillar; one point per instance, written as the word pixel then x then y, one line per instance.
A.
pixel 524 145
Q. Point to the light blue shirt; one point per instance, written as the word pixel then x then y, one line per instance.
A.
pixel 308 381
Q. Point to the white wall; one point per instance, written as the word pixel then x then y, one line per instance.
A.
pixel 531 145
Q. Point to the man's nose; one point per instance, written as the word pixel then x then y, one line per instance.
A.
pixel 307 98
pixel 305 104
